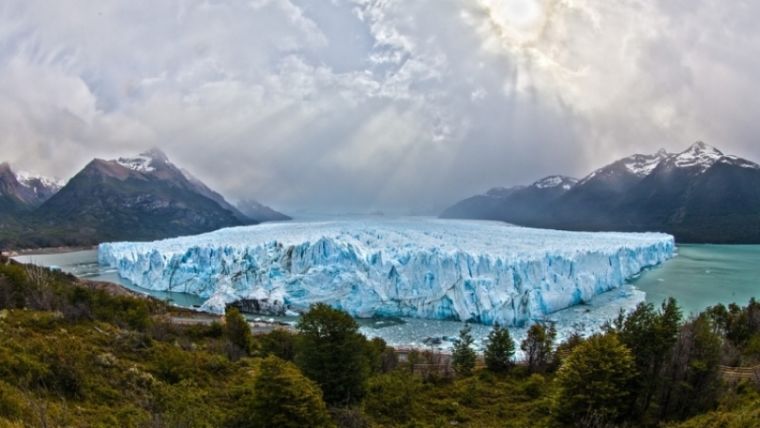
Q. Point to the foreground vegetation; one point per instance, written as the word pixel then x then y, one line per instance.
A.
pixel 72 354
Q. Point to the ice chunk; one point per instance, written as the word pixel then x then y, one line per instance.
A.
pixel 475 271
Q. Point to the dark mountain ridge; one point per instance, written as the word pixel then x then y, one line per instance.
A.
pixel 699 195
pixel 145 197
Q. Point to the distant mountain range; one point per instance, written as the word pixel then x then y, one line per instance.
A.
pixel 699 195
pixel 144 197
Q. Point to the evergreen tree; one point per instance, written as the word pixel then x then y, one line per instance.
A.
pixel 237 330
pixel 334 354
pixel 281 397
pixel 538 346
pixel 499 350
pixel 463 356
pixel 594 383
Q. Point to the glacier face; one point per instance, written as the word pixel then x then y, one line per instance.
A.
pixel 475 271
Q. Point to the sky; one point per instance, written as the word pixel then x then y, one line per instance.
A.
pixel 403 106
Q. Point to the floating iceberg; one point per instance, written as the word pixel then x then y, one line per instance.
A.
pixel 476 271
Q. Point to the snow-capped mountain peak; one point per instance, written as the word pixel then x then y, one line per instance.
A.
pixel 554 181
pixel 144 162
pixel 699 155
pixel 643 165
pixel 137 163
pixel 36 182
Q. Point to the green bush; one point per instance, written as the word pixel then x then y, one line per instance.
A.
pixel 594 383
pixel 237 331
pixel 12 403
pixel 391 397
pixel 281 397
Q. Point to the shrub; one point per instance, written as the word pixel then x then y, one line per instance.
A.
pixel 281 397
pixel 594 383
pixel 237 331
pixel 391 397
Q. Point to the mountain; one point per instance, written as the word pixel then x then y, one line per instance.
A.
pixel 145 197
pixel 698 195
pixel 23 192
pixel 519 204
pixel 43 187
pixel 260 213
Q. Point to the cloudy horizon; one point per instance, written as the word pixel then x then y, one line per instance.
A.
pixel 361 105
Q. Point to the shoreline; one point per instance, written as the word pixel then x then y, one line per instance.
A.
pixel 46 251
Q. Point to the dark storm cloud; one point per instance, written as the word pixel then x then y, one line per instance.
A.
pixel 360 105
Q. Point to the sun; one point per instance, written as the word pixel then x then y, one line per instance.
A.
pixel 520 22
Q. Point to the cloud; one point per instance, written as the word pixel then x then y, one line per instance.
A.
pixel 373 104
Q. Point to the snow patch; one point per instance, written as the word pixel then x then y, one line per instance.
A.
pixel 554 181
pixel 643 165
pixel 699 155
pixel 34 182
pixel 138 163
pixel 737 161
pixel 145 162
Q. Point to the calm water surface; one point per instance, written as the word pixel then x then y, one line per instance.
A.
pixel 84 264
pixel 705 275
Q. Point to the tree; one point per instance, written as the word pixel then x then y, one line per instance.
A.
pixel 281 397
pixel 280 343
pixel 650 335
pixel 333 353
pixel 594 383
pixel 463 356
pixel 237 330
pixel 382 358
pixel 499 350
pixel 538 346
pixel 692 378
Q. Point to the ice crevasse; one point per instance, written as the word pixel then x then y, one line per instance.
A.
pixel 476 271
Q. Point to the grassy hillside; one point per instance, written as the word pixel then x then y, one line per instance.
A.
pixel 87 355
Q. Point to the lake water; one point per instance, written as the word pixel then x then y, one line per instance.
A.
pixel 700 276
pixel 705 275
pixel 84 264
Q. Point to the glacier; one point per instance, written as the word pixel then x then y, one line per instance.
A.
pixel 476 271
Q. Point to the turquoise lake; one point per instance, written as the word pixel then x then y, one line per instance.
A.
pixel 704 275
